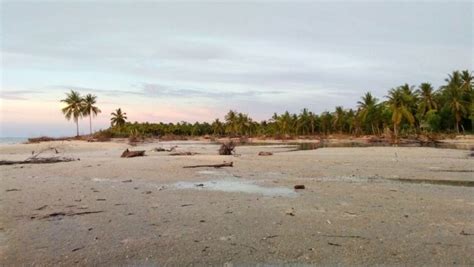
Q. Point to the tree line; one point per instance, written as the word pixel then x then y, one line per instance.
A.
pixel 405 109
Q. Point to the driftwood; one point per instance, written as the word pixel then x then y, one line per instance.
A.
pixel 160 149
pixel 37 161
pixel 263 153
pixel 183 153
pixel 225 164
pixel 227 148
pixel 130 154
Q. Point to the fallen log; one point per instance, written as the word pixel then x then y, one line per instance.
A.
pixel 37 161
pixel 130 154
pixel 263 153
pixel 225 164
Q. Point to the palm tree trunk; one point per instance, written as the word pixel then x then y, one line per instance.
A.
pixel 395 130
pixel 77 127
pixel 90 123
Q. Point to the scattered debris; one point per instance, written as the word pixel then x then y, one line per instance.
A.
pixel 227 148
pixel 346 236
pixel 127 181
pixel 465 233
pixel 42 207
pixel 76 249
pixel 329 222
pixel 300 186
pixel 290 212
pixel 101 199
pixel 61 214
pixel 200 185
pixel 130 154
pixel 38 161
pixel 225 164
pixel 263 153
pixel 269 237
pixel 12 190
pixel 186 153
pixel 186 205
pixel 148 192
pixel 334 244
pixel 160 149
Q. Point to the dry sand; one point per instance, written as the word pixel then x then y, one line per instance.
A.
pixel 151 211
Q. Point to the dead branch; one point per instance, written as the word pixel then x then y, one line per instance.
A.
pixel 37 161
pixel 225 164
pixel 130 154
pixel 42 151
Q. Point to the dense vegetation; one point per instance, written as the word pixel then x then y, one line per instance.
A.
pixel 405 110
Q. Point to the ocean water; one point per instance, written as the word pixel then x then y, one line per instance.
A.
pixel 13 140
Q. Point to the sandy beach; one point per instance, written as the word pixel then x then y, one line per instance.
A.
pixel 360 206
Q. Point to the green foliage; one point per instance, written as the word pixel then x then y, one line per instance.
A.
pixel 404 111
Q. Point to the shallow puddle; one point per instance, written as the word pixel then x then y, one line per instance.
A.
pixel 238 186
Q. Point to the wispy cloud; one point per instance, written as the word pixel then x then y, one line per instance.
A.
pixel 18 94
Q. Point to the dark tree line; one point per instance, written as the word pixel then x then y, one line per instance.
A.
pixel 406 109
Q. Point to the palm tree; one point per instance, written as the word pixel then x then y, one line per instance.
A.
pixel 467 81
pixel 231 121
pixel 304 122
pixel 217 127
pixel 454 91
pixel 368 111
pixel 118 118
pixel 399 102
pixel 427 101
pixel 338 119
pixel 284 123
pixel 89 108
pixel 74 108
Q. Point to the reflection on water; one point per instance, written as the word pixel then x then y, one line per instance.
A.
pixel 238 186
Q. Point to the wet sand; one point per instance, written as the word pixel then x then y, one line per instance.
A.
pixel 361 206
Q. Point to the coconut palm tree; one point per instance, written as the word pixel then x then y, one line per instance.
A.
pixel 217 127
pixel 304 122
pixel 89 108
pixel 454 92
pixel 338 119
pixel 367 110
pixel 118 118
pixel 426 100
pixel 231 122
pixel 467 81
pixel 74 108
pixel 399 103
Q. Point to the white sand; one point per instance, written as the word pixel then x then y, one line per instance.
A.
pixel 350 213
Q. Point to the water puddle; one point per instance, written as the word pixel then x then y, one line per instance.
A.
pixel 237 186
pixel 298 146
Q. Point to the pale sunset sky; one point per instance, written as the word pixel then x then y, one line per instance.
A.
pixel 175 61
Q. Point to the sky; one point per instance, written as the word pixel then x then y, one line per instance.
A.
pixel 193 61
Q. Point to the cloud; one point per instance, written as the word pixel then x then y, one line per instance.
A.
pixel 157 90
pixel 18 94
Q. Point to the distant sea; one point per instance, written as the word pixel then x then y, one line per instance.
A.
pixel 13 140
